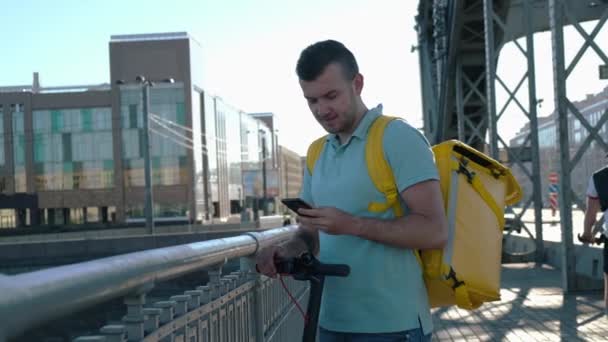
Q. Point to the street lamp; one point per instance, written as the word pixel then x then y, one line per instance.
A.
pixel 145 86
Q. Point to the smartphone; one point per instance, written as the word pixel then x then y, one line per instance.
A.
pixel 296 203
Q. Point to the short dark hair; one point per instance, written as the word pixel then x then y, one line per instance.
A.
pixel 316 57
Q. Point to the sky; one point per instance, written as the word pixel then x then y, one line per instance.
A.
pixel 250 48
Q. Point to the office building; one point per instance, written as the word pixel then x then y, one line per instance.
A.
pixel 75 154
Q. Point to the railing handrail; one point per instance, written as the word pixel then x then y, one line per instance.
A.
pixel 55 292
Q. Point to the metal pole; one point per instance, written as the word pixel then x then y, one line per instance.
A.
pixel 147 174
pixel 488 15
pixel 460 102
pixel 264 185
pixel 536 192
pixel 556 14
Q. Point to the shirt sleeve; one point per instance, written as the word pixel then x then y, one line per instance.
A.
pixel 591 190
pixel 409 154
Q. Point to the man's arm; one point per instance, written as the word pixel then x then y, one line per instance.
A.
pixel 425 227
pixel 593 206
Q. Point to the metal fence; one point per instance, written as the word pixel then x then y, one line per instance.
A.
pixel 240 306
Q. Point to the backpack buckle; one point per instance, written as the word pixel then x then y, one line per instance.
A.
pixel 452 275
pixel 462 169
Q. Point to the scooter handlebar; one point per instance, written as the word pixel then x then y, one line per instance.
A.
pixel 308 265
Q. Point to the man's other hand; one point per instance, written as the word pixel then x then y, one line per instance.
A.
pixel 329 220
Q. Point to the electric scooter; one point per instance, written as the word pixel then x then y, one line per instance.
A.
pixel 307 267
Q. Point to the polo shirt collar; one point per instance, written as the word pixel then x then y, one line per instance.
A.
pixel 361 131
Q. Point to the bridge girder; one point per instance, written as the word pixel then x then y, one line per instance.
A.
pixel 459 45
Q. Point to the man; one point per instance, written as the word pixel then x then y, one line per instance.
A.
pixel 384 297
pixel 597 198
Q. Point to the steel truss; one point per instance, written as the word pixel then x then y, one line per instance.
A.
pixel 495 27
pixel 561 15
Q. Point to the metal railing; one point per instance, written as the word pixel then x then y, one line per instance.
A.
pixel 241 306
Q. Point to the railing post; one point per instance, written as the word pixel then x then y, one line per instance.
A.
pixel 248 265
pixel 151 319
pixel 194 330
pixel 114 333
pixel 238 307
pixel 166 316
pixel 181 308
pixel 135 318
pixel 205 321
pixel 215 321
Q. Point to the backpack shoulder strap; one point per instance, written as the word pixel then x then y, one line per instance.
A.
pixel 378 168
pixel 600 180
pixel 314 151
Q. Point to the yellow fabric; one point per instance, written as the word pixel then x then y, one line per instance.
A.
pixel 479 217
pixel 462 298
pixel 479 221
pixel 379 170
pixel 314 151
pixel 481 190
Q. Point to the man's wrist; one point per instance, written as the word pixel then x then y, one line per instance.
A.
pixel 358 226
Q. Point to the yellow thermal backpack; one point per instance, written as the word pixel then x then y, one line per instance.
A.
pixel 475 189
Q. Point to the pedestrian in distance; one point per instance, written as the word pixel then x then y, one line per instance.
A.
pixel 384 298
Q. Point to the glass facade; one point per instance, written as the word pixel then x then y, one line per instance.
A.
pixel 2 140
pixel 257 146
pixel 232 153
pixel 17 114
pixel 168 153
pixel 222 163
pixel 162 211
pixel 210 141
pixel 73 149
pixel 547 136
pixel 197 150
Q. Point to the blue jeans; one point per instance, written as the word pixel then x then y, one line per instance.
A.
pixel 414 335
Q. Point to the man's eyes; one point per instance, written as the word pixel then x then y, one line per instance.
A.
pixel 330 96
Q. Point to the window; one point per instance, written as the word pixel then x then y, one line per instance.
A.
pixel 166 145
pixel 67 139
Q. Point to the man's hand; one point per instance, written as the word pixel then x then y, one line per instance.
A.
pixel 266 258
pixel 587 237
pixel 330 220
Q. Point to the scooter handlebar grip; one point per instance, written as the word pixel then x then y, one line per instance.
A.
pixel 333 270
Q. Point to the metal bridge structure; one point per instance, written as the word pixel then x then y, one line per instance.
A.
pixel 460 43
pixel 459 47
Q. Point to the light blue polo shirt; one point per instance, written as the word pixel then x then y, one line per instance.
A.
pixel 385 291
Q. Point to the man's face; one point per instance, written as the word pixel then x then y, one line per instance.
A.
pixel 332 99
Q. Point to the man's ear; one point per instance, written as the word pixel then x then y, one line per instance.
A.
pixel 358 84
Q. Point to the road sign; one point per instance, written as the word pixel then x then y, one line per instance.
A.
pixel 553 191
pixel 603 72
pixel 553 188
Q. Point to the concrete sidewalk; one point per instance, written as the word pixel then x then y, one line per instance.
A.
pixel 532 308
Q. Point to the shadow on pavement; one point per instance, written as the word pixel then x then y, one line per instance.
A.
pixel 532 308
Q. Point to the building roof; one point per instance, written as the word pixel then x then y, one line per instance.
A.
pixel 581 105
pixel 148 37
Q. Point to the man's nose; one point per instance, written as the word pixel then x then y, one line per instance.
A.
pixel 321 108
